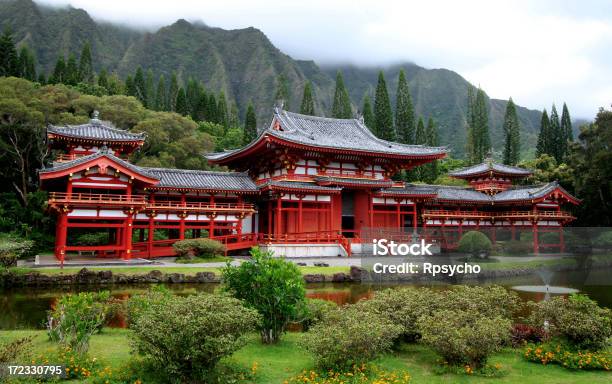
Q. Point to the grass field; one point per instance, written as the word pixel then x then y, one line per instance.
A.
pixel 278 362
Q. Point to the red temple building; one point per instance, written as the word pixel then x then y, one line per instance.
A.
pixel 306 186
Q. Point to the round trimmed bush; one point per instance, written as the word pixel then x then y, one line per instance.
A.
pixel 475 243
pixel 463 337
pixel 313 311
pixel 490 301
pixel 349 336
pixel 204 248
pixel 186 336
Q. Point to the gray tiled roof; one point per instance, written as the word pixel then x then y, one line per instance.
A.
pixel 490 166
pixel 349 180
pixel 528 192
pixel 298 185
pixel 194 179
pixel 96 130
pixel 58 166
pixel 341 134
pixel 411 189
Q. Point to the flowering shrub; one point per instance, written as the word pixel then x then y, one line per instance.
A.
pixel 403 306
pixel 560 354
pixel 77 317
pixel 348 336
pixel 185 337
pixel 361 374
pixel 138 304
pixel 464 338
pixel 576 319
pixel 522 334
pixel 78 365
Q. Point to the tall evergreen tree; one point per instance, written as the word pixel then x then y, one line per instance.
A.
pixel 173 92
pixel 59 72
pixel 72 71
pixel 193 96
pixel 222 113
pixel 307 107
pixel 161 99
pixel 283 92
pixel 250 125
pixel 469 119
pixel 556 137
pixel 86 73
pixel 211 109
pixel 404 111
pixel 27 65
pixel 130 89
pixel 202 108
pixel 140 86
pixel 368 114
pixel 543 145
pixel 566 127
pixel 479 141
pixel 42 80
pixel 181 102
pixel 233 118
pixel 8 54
pixel 103 78
pixel 149 90
pixel 341 107
pixel 420 137
pixel 383 115
pixel 512 145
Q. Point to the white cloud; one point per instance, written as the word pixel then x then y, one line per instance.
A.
pixel 538 52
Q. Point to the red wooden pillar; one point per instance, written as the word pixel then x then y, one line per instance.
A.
pixel 212 217
pixel 60 238
pixel 536 245
pixel 151 235
pixel 398 214
pixel 278 224
pixel 371 210
pixel 300 223
pixel 127 236
pixel 269 218
pixel 414 217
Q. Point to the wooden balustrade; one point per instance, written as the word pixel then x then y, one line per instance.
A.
pixel 95 198
pixel 201 206
pixel 496 215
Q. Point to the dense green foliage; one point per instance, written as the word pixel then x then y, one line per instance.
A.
pixel 250 125
pixel 404 111
pixel 186 337
pixel 347 337
pixel 479 139
pixel 204 248
pixel 474 243
pixel 12 249
pixel 272 286
pixel 512 142
pixel 368 113
pixel 313 311
pixel 383 116
pixel 76 317
pixel 577 319
pixel 341 107
pixel 307 107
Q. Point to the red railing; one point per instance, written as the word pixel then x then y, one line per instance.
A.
pixel 69 157
pixel 95 198
pixel 318 237
pixel 491 215
pixel 174 205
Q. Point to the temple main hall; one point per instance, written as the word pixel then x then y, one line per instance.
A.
pixel 306 186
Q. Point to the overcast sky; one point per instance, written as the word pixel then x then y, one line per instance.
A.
pixel 538 52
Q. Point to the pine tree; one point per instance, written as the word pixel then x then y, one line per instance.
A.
pixel 420 138
pixel 59 72
pixel 478 116
pixel 404 111
pixel 149 90
pixel 556 137
pixel 140 86
pixel 368 115
pixel 173 93
pixel 250 125
pixel 161 99
pixel 566 127
pixel 72 71
pixel 193 96
pixel 543 138
pixel 383 116
pixel 181 102
pixel 211 109
pixel 282 91
pixel 307 107
pixel 86 73
pixel 103 78
pixel 26 64
pixel 42 79
pixel 512 145
pixel 431 169
pixel 222 114
pixel 469 119
pixel 130 89
pixel 233 118
pixel 202 105
pixel 341 107
pixel 8 55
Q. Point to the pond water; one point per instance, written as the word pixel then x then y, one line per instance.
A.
pixel 27 307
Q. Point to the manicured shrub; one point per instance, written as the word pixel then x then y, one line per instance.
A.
pixel 76 318
pixel 577 319
pixel 489 301
pixel 313 311
pixel 204 248
pixel 403 306
pixel 272 286
pixel 12 249
pixel 568 357
pixel 138 304
pixel 475 243
pixel 522 334
pixel 186 336
pixel 464 338
pixel 518 247
pixel 349 336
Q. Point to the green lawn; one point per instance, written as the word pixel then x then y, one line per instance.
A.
pixel 279 362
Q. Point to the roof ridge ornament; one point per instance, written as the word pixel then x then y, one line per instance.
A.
pixel 95 117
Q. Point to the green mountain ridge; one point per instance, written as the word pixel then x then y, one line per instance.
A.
pixel 246 65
